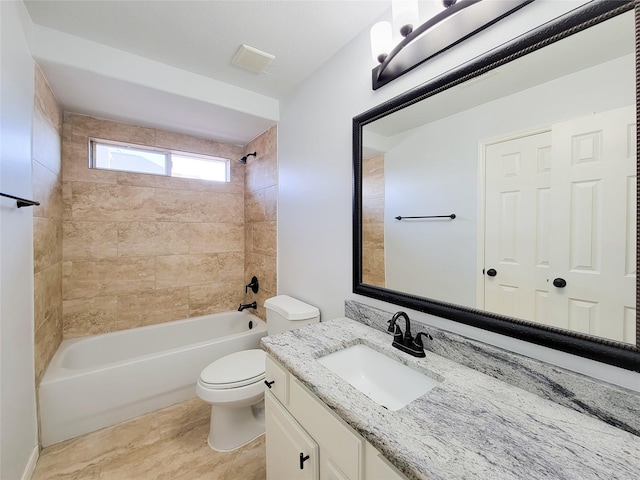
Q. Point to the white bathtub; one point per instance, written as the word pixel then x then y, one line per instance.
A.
pixel 97 381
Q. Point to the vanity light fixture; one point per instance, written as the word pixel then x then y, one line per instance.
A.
pixel 435 35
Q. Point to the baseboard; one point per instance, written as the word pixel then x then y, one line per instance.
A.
pixel 31 464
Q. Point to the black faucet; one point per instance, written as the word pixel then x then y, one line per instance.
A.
pixel 407 343
pixel 247 305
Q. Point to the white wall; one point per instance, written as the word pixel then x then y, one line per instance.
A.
pixel 315 168
pixel 18 431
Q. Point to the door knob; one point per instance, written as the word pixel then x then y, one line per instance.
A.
pixel 492 272
pixel 559 282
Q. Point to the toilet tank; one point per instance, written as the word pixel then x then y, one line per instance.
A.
pixel 287 313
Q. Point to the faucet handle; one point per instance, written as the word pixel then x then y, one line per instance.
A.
pixel 392 324
pixel 253 285
pixel 397 334
pixel 417 342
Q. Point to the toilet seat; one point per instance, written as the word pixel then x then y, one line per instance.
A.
pixel 235 370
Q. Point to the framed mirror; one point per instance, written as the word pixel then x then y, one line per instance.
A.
pixel 503 194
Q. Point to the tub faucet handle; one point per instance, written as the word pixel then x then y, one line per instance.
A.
pixel 253 285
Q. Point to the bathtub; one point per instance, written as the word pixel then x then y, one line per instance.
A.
pixel 93 382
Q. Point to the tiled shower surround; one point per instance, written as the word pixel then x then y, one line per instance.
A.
pixel 260 216
pixel 373 221
pixel 143 249
pixel 47 224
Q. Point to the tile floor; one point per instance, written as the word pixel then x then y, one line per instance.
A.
pixel 166 444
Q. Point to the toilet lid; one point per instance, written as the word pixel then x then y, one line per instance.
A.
pixel 235 370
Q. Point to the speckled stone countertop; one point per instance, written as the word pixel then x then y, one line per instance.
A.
pixel 471 426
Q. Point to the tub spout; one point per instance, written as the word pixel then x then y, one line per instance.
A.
pixel 247 305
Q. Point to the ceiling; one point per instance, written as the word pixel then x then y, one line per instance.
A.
pixel 193 42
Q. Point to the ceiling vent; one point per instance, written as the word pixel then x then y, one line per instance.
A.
pixel 252 59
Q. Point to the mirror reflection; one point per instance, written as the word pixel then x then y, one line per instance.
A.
pixel 537 160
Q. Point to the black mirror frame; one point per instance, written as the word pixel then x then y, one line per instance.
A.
pixel 607 351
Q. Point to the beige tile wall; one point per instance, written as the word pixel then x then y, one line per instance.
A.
pixel 144 249
pixel 261 215
pixel 47 224
pixel 373 221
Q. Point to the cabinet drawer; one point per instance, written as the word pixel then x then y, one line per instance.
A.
pixel 338 440
pixel 277 379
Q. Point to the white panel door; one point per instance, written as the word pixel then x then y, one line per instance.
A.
pixel 517 176
pixel 560 226
pixel 594 224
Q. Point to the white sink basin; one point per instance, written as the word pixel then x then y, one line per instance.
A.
pixel 382 379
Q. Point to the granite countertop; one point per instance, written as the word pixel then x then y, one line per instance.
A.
pixel 470 426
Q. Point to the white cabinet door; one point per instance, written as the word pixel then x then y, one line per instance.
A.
pixel 291 452
pixel 341 448
pixel 330 471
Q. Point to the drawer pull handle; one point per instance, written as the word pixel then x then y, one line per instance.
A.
pixel 268 384
pixel 303 459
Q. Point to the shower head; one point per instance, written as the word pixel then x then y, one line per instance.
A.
pixel 244 159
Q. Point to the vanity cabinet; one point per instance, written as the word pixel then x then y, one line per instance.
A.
pixel 299 424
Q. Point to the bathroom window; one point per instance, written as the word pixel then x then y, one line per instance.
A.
pixel 123 157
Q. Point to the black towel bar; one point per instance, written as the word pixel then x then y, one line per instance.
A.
pixel 452 216
pixel 22 202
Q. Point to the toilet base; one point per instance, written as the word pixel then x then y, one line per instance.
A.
pixel 232 427
pixel 236 448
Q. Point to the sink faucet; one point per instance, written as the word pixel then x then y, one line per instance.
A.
pixel 407 343
pixel 247 305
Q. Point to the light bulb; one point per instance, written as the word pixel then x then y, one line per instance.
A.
pixel 381 40
pixel 405 15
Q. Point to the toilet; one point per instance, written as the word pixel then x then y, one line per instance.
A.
pixel 234 384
